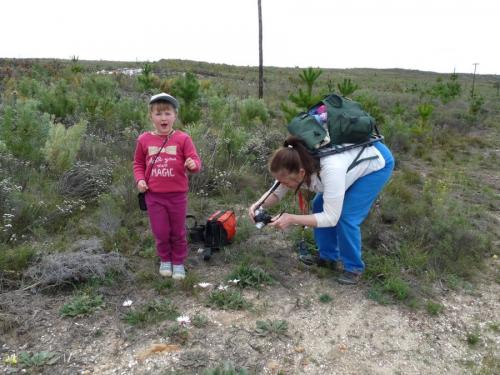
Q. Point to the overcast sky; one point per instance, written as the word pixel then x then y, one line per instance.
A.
pixel 431 35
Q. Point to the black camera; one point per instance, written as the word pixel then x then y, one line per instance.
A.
pixel 261 218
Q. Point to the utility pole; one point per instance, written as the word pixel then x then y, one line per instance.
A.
pixel 261 64
pixel 473 80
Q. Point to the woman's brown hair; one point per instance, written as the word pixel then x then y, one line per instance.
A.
pixel 293 156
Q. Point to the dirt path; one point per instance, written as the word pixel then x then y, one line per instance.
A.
pixel 350 334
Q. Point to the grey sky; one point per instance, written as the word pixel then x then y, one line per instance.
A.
pixel 434 35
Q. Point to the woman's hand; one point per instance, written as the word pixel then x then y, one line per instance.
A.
pixel 283 221
pixel 142 186
pixel 251 211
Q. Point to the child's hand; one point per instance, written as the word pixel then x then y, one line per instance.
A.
pixel 142 186
pixel 190 164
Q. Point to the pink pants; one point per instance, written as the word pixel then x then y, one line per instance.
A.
pixel 167 215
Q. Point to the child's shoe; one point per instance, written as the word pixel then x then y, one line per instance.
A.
pixel 179 272
pixel 166 269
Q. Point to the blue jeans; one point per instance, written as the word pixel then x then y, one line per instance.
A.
pixel 343 241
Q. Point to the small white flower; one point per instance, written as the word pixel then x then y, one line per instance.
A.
pixel 127 303
pixel 223 287
pixel 183 320
pixel 204 285
pixel 235 281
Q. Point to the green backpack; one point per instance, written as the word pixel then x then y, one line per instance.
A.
pixel 333 121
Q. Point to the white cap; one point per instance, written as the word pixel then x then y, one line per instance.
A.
pixel 163 97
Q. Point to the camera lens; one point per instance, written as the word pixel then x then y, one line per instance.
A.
pixel 260 225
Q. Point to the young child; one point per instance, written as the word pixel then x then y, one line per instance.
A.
pixel 161 161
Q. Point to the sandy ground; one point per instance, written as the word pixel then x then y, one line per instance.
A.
pixel 351 334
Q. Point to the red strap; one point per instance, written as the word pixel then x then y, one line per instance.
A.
pixel 302 204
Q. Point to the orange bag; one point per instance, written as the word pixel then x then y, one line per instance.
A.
pixel 220 229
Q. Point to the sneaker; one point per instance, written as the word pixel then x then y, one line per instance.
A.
pixel 315 260
pixel 179 272
pixel 166 269
pixel 349 278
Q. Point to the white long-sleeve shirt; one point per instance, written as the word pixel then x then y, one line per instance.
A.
pixel 334 180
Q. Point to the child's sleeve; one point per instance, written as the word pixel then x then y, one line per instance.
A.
pixel 190 152
pixel 139 163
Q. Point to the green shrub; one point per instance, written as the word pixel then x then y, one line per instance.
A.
pixel 187 89
pixel 28 87
pixel 16 259
pixel 425 111
pixel 398 288
pixel 147 80
pixel 446 91
pixel 24 130
pixel 58 100
pixel 62 145
pixel 253 112
pixel 347 87
pixel 303 99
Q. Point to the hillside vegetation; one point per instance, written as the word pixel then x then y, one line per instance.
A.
pixel 67 136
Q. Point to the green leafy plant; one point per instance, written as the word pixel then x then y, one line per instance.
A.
pixel 434 308
pixel 153 312
pixel 81 304
pixel 276 328
pixel 177 334
pixel 39 359
pixel 325 298
pixel 227 300
pixel 398 288
pixel 250 276
pixel 200 320
pixel 473 338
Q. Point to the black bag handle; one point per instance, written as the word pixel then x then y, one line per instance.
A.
pixel 194 218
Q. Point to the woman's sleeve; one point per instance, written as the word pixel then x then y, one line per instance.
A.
pixel 333 179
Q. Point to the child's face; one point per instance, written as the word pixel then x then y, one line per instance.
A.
pixel 163 118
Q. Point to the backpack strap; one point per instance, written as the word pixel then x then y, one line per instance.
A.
pixel 357 160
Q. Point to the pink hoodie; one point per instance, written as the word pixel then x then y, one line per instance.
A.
pixel 168 173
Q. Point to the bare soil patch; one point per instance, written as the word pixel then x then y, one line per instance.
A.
pixel 350 334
